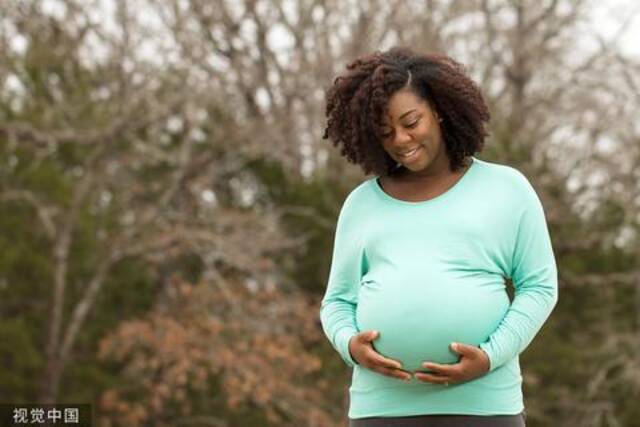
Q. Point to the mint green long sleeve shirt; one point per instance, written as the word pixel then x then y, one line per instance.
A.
pixel 426 274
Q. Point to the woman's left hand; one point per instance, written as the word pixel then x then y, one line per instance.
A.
pixel 473 363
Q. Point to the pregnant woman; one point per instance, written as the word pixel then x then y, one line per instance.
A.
pixel 416 300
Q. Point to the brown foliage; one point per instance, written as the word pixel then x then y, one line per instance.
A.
pixel 252 342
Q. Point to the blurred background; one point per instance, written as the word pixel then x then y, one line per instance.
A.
pixel 168 204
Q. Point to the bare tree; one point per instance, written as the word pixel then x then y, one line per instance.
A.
pixel 167 103
pixel 158 218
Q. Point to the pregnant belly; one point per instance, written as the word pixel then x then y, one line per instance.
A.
pixel 418 322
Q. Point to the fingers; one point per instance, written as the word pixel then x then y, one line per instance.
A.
pixel 440 374
pixel 377 359
pixel 472 364
pixel 465 349
pixel 384 366
pixel 395 373
pixel 368 336
pixel 435 379
pixel 442 370
pixel 378 363
pixel 373 357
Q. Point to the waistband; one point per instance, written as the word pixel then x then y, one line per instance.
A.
pixel 443 420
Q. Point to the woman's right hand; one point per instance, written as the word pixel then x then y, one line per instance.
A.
pixel 362 351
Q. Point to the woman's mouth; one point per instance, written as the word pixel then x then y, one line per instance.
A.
pixel 410 154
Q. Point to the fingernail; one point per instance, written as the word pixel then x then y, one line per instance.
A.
pixel 454 346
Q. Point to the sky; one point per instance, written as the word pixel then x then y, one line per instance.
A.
pixel 608 17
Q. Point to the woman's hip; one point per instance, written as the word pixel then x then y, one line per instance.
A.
pixel 443 421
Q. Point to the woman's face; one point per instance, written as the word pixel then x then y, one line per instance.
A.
pixel 411 133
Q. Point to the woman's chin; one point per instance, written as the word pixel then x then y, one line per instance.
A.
pixel 417 166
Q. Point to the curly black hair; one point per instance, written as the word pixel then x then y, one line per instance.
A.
pixel 358 100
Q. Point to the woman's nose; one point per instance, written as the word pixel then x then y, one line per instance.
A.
pixel 400 138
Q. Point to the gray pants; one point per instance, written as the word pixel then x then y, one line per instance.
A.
pixel 442 421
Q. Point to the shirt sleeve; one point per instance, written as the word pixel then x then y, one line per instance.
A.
pixel 535 279
pixel 338 307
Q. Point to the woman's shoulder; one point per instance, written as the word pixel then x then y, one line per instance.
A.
pixel 356 207
pixel 504 174
pixel 361 193
pixel 509 182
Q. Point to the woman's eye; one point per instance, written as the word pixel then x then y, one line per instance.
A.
pixel 414 124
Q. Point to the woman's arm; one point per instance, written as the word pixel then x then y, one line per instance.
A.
pixel 535 279
pixel 338 308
